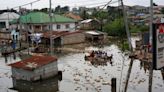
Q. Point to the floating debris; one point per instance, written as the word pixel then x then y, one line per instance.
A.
pixel 106 83
pixel 76 79
pixel 97 80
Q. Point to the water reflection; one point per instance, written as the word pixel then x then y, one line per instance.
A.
pixel 99 63
pixel 49 85
pixel 145 65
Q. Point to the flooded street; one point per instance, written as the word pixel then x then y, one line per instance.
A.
pixel 80 75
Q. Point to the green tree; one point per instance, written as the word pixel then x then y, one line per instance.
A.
pixel 101 16
pixel 115 28
pixel 136 29
pixel 57 9
pixel 44 10
pixel 84 14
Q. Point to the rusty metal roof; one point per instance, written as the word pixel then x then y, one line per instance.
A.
pixel 33 62
pixel 56 34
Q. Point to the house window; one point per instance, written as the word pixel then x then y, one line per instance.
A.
pixel 37 27
pixel 30 27
pixel 2 25
pixel 58 27
pixel 67 26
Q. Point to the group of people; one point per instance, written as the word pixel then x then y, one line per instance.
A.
pixel 98 53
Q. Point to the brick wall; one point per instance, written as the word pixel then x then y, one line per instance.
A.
pixel 73 38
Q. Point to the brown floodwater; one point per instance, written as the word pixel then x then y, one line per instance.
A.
pixel 80 75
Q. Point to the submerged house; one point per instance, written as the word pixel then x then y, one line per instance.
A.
pixel 90 24
pixel 40 21
pixel 48 85
pixel 95 36
pixel 63 37
pixel 34 68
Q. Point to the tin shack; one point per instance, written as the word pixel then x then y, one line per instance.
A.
pixel 35 68
pixel 96 36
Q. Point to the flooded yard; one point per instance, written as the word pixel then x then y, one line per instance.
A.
pixel 80 75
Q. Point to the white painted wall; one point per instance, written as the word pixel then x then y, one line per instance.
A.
pixel 63 27
pixel 8 16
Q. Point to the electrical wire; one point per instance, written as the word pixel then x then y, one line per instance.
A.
pixel 100 4
pixel 26 4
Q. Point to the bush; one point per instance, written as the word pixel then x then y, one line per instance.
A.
pixel 125 46
pixel 115 28
pixel 137 29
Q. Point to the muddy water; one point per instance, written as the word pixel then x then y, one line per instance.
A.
pixel 81 76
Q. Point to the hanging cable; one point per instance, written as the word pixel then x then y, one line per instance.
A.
pixel 26 4
pixel 31 6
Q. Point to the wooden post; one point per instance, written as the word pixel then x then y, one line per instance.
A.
pixel 5 58
pixel 14 56
pixel 150 76
pixel 128 76
pixel 60 75
pixel 113 86
pixel 20 29
pixel 150 42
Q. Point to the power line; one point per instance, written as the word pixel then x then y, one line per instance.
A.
pixel 100 4
pixel 26 4
pixel 75 2
pixel 107 3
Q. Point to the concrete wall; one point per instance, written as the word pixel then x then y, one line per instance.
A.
pixel 46 71
pixel 63 27
pixel 6 23
pixel 49 85
pixel 43 72
pixel 8 36
pixel 72 38
pixel 5 35
pixel 45 27
pixel 21 74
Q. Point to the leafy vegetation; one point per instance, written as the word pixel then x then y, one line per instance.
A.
pixel 115 28
pixel 124 45
pixel 136 29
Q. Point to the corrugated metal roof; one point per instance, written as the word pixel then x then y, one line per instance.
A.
pixel 8 15
pixel 89 20
pixel 60 33
pixel 54 33
pixel 41 17
pixel 86 21
pixel 33 62
pixel 73 16
pixel 94 32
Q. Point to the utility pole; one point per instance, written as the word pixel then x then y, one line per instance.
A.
pixel 8 19
pixel 20 28
pixel 129 41
pixel 51 39
pixel 126 25
pixel 150 42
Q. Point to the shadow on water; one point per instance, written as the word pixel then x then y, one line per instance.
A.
pixel 145 65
